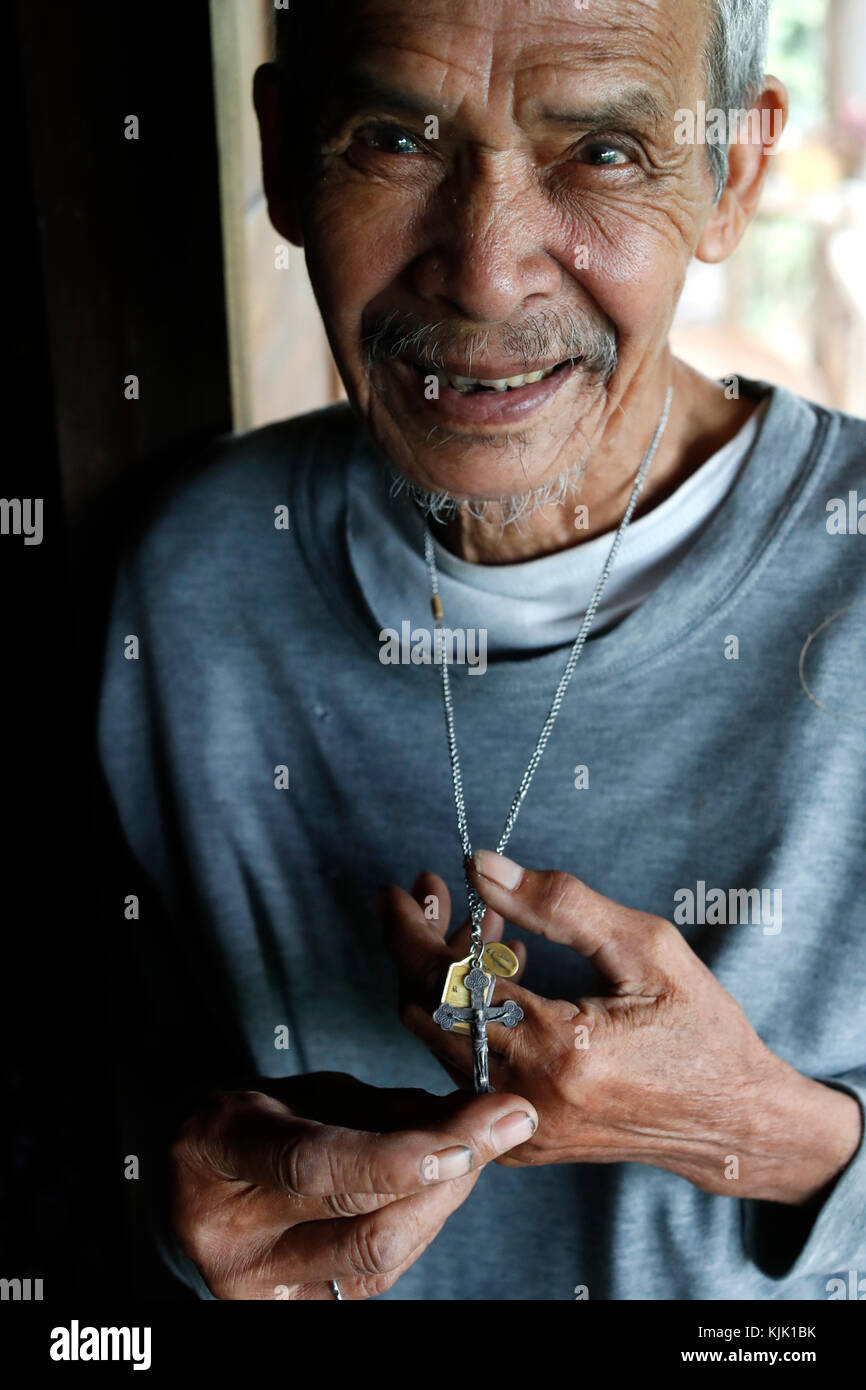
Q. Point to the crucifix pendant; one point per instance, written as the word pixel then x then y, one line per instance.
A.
pixel 466 1005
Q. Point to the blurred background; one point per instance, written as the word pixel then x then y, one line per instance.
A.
pixel 790 304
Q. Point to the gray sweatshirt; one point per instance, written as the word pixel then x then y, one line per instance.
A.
pixel 269 772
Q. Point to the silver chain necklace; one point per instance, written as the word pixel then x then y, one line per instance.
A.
pixel 468 991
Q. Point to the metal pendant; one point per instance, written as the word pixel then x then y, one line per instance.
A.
pixel 466 1004
pixel 495 958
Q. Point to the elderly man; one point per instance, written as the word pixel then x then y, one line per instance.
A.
pixel 498 209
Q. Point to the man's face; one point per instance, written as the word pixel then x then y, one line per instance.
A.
pixel 546 224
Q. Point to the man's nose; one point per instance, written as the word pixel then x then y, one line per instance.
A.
pixel 488 254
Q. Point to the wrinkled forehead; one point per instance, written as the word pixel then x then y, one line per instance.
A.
pixel 465 52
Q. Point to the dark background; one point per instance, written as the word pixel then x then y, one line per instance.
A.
pixel 116 268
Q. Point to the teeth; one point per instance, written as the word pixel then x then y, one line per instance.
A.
pixel 510 383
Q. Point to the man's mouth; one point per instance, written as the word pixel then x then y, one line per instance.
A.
pixel 469 385
pixel 490 401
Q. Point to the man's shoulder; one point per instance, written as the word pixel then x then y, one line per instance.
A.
pixel 804 445
pixel 806 482
pixel 851 448
pixel 237 471
pixel 216 508
pixel 833 454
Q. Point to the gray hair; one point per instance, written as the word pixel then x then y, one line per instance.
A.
pixel 735 53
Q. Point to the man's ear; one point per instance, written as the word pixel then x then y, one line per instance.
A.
pixel 282 206
pixel 748 160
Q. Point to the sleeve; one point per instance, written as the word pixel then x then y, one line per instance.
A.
pixel 827 1235
pixel 169 1058
pixel 180 1039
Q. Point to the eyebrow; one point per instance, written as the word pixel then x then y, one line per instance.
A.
pixel 360 90
pixel 634 104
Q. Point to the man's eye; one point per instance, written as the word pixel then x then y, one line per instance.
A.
pixel 390 139
pixel 602 155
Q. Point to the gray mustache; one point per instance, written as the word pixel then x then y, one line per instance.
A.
pixel 544 338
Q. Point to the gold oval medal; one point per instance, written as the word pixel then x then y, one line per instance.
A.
pixel 500 959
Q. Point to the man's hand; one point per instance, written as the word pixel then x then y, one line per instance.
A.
pixel 664 1069
pixel 271 1202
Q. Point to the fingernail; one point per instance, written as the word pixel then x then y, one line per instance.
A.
pixel 497 868
pixel 448 1163
pixel 512 1130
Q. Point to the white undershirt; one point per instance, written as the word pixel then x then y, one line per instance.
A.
pixel 536 604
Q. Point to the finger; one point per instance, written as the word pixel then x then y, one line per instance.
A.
pixel 265 1211
pixel 371 1246
pixel 339 1099
pixel 261 1142
pixel 531 1038
pixel 416 944
pixel 370 1287
pixel 315 1254
pixel 362 1106
pixel 358 1290
pixel 431 893
pixel 342 1248
pixel 522 956
pixel 630 948
pixel 492 927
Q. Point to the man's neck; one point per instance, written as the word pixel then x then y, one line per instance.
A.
pixel 702 420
